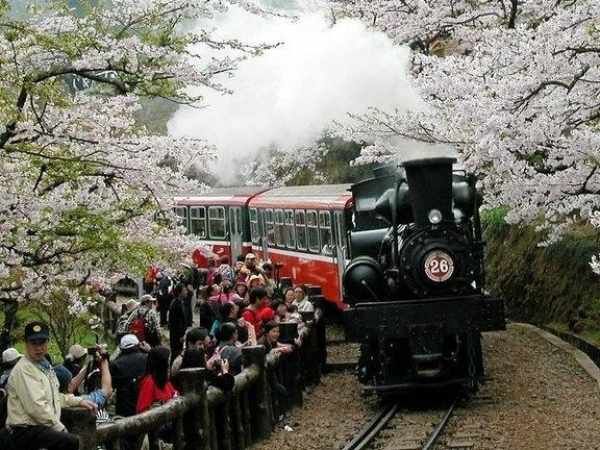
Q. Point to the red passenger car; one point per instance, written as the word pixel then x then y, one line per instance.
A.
pixel 302 227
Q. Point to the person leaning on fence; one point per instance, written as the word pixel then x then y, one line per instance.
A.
pixel 302 301
pixel 251 313
pixel 228 349
pixel 270 340
pixel 196 338
pixel 155 388
pixel 34 401
pixel 126 370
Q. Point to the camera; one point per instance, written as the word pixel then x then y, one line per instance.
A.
pixel 92 351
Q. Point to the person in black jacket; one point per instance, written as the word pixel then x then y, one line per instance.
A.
pixel 126 370
pixel 177 321
pixel 164 296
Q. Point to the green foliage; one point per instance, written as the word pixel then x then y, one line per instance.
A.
pixel 155 114
pixel 494 219
pixel 335 164
pixel 57 348
pixel 540 284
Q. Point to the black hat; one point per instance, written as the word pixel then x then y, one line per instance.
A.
pixel 36 330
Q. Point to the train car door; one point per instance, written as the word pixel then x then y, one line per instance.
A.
pixel 340 245
pixel 236 235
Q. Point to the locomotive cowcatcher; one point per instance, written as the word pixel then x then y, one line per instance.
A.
pixel 415 284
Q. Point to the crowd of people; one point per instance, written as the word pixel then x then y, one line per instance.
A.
pixel 207 324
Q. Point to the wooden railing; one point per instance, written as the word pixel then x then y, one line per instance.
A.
pixel 205 418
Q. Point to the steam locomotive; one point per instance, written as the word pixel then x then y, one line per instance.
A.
pixel 415 284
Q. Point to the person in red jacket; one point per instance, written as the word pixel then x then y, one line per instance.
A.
pixel 154 386
pixel 252 313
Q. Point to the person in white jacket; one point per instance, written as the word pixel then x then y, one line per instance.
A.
pixel 34 400
pixel 302 301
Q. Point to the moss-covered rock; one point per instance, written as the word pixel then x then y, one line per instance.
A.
pixel 541 284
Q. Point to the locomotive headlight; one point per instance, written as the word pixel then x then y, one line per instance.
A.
pixel 435 216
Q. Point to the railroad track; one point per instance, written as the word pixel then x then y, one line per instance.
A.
pixel 369 431
pixel 409 430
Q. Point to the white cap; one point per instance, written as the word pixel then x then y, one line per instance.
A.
pixel 146 298
pixel 77 351
pixel 250 256
pixel 131 304
pixel 129 341
pixel 10 355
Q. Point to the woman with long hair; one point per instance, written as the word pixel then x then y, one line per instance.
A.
pixel 155 386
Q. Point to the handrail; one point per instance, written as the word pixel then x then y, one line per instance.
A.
pixel 206 415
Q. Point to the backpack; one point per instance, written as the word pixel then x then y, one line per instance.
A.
pixel 123 325
pixel 133 323
pixel 138 327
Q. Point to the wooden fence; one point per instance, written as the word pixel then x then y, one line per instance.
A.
pixel 205 418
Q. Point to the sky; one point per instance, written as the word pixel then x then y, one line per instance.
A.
pixel 291 94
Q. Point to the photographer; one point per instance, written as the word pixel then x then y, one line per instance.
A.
pixel 95 377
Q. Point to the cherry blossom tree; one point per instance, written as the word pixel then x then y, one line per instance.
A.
pixel 84 188
pixel 512 85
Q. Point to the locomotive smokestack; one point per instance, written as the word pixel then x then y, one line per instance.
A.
pixel 430 189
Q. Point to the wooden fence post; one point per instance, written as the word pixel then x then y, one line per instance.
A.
pixel 291 365
pixel 237 423
pixel 81 422
pixel 194 426
pixel 261 402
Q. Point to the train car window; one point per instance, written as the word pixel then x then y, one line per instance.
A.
pixel 254 235
pixel 270 226
pixel 279 228
pixel 216 222
pixel 325 228
pixel 182 216
pixel 300 230
pixel 290 231
pixel 198 221
pixel 240 228
pixel 312 226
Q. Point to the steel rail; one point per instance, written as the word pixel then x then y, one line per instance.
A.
pixel 436 433
pixel 366 435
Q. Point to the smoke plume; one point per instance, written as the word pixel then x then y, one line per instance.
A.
pixel 289 95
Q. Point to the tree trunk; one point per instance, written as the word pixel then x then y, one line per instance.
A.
pixel 10 317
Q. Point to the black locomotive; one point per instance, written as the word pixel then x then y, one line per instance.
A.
pixel 415 284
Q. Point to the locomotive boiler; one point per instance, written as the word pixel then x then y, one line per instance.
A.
pixel 415 283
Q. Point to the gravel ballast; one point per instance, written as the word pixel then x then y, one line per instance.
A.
pixel 536 397
pixel 331 414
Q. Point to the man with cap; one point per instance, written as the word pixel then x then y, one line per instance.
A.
pixel 10 357
pixel 34 400
pixel 126 369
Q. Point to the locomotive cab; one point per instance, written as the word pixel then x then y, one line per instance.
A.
pixel 416 287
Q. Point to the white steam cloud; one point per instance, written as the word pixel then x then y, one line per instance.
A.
pixel 289 95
